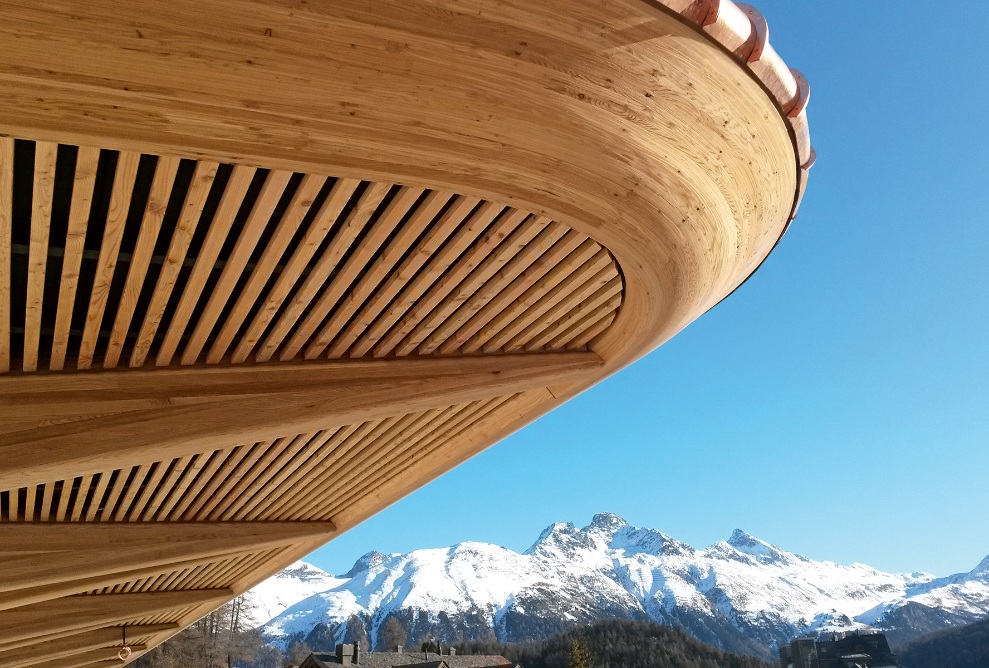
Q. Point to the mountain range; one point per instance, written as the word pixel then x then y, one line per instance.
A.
pixel 742 594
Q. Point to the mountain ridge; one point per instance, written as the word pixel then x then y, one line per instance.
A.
pixel 741 594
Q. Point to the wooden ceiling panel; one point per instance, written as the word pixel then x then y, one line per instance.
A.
pixel 240 288
pixel 177 256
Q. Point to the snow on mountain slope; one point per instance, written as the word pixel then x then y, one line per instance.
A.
pixel 286 588
pixel 735 592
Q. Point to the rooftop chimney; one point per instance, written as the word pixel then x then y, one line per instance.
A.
pixel 453 651
pixel 345 654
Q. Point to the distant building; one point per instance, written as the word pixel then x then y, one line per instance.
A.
pixel 351 655
pixel 852 650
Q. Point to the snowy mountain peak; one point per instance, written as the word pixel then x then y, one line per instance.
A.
pixel 762 551
pixel 607 522
pixel 561 540
pixel 365 563
pixel 734 593
pixel 982 569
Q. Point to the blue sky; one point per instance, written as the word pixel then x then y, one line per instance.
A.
pixel 838 403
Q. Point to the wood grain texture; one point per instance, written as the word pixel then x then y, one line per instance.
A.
pixel 42 196
pixel 87 162
pixel 194 412
pixel 123 183
pixel 526 176
pixel 87 612
pixel 6 222
pixel 74 644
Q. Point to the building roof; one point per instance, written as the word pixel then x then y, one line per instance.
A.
pixel 413 658
pixel 247 299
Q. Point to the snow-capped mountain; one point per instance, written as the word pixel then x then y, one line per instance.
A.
pixel 742 594
pixel 286 588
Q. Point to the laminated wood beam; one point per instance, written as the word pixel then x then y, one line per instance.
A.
pixel 95 611
pixel 44 553
pixel 61 647
pixel 146 416
pixel 31 573
pixel 103 656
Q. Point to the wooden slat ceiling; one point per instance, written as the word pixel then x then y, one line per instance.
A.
pixel 126 259
pixel 267 268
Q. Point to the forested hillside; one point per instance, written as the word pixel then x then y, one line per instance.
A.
pixel 616 643
pixel 963 647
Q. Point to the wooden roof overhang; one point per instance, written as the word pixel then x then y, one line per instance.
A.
pixel 267 266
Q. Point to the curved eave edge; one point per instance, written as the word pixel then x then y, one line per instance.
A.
pixel 743 33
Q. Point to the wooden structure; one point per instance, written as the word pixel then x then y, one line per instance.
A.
pixel 267 266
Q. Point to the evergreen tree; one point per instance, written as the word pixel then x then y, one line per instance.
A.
pixel 580 656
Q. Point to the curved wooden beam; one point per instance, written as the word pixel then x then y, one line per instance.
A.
pixel 154 416
pixel 107 656
pixel 70 645
pixel 37 554
pixel 75 613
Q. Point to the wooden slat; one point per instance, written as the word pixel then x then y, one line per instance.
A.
pixel 154 213
pixel 448 269
pixel 134 489
pixel 351 437
pixel 73 644
pixel 113 232
pixel 88 612
pixel 539 298
pixel 325 485
pixel 210 491
pixel 408 282
pixel 30 503
pixel 205 476
pixel 588 335
pixel 259 465
pixel 591 317
pixel 45 553
pixel 114 495
pixel 94 507
pixel 244 465
pixel 549 234
pixel 321 225
pixel 15 506
pixel 453 312
pixel 503 300
pixel 87 162
pixel 233 268
pixel 177 491
pixel 568 327
pixel 363 454
pixel 230 203
pixel 6 223
pixel 431 284
pixel 347 485
pixel 576 292
pixel 276 471
pixel 180 422
pixel 185 228
pixel 360 260
pixel 46 502
pixel 138 503
pixel 173 475
pixel 452 286
pixel 43 195
pixel 299 206
pixel 327 263
pixel 62 513
pixel 106 656
pixel 306 477
pixel 423 216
